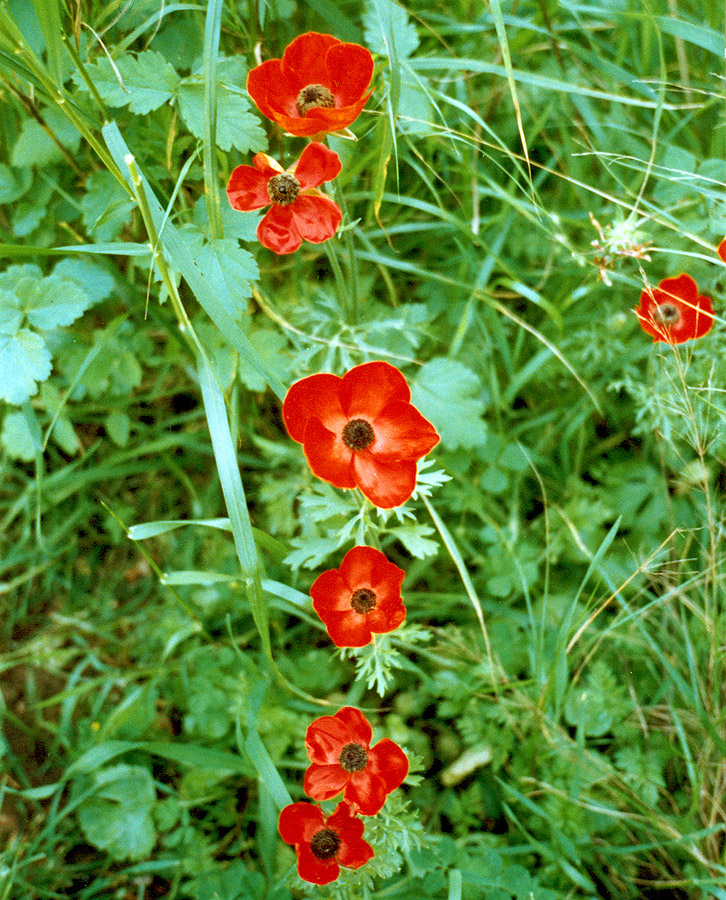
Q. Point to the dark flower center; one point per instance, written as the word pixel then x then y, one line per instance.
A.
pixel 283 189
pixel 667 314
pixel 325 844
pixel 358 434
pixel 363 600
pixel 353 758
pixel 313 96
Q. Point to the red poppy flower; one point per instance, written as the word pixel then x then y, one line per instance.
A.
pixel 324 844
pixel 360 431
pixel 343 760
pixel 318 86
pixel 674 312
pixel 722 250
pixel 362 597
pixel 299 211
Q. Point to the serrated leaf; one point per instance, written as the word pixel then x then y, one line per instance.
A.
pixel 384 17
pixel 451 396
pixel 56 302
pixel 414 539
pixel 236 224
pixel 24 361
pixel 148 81
pixel 16 437
pixel 106 207
pixel 117 818
pixel 11 314
pixel 95 280
pixel 272 347
pixel 237 126
pixel 230 270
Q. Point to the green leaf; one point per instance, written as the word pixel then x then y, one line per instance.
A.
pixel 273 349
pixel 237 126
pixel 24 361
pixel 56 302
pixel 106 207
pixel 118 427
pixel 117 818
pixel 384 18
pixel 451 396
pixel 95 279
pixel 414 539
pixel 17 438
pixel 231 271
pixel 33 147
pixel 13 184
pixel 148 81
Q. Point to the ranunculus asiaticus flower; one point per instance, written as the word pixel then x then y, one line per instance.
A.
pixel 299 211
pixel 324 844
pixel 360 430
pixel 319 85
pixel 361 598
pixel 674 312
pixel 343 760
pixel 721 250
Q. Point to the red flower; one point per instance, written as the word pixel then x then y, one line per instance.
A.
pixel 722 250
pixel 299 211
pixel 362 596
pixel 342 760
pixel 323 844
pixel 360 431
pixel 318 86
pixel 674 312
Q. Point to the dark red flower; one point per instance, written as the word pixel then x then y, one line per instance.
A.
pixel 674 312
pixel 343 760
pixel 299 211
pixel 362 597
pixel 323 844
pixel 318 86
pixel 722 250
pixel 360 431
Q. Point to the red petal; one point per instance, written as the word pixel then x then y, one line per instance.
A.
pixel 317 218
pixel 384 619
pixel 314 870
pixel 696 311
pixel 350 69
pixel 247 189
pixel 402 433
pixel 722 250
pixel 330 593
pixel 385 484
pixel 325 781
pixel 358 565
pixel 278 231
pixel 348 629
pixel 317 164
pixel 316 395
pixel 328 456
pixel 367 791
pixel 299 822
pixel 388 761
pixel 336 119
pixel 325 738
pixel 386 579
pixel 360 731
pixel 304 60
pixel 263 85
pixel 367 389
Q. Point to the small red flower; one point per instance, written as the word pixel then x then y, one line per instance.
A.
pixel 318 86
pixel 323 844
pixel 343 760
pixel 674 312
pixel 360 430
pixel 362 597
pixel 299 211
pixel 722 250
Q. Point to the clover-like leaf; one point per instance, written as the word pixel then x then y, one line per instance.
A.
pixel 24 361
pixel 117 817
